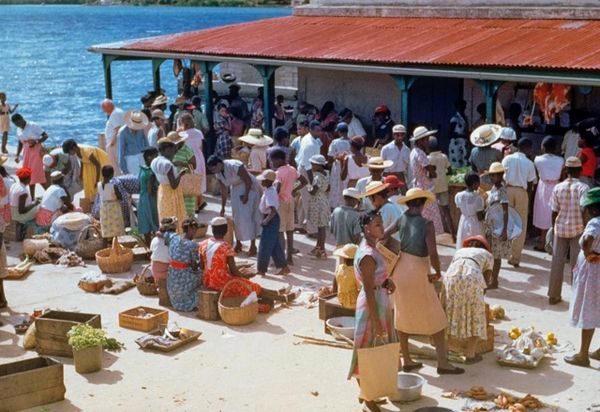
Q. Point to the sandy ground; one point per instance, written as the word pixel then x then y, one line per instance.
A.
pixel 262 367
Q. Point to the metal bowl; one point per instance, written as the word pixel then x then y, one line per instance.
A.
pixel 344 325
pixel 495 217
pixel 410 386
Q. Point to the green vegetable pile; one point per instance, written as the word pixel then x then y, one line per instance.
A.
pixel 458 175
pixel 83 336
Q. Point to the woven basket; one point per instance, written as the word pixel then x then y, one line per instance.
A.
pixel 230 310
pixel 373 151
pixel 201 231
pixel 90 241
pixel 145 288
pixel 115 259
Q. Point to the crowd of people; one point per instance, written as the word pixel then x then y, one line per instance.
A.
pixel 322 172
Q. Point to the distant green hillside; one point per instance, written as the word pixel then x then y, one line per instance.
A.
pixel 161 2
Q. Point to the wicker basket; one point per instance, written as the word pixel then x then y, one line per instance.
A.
pixel 144 287
pixel 201 231
pixel 90 241
pixel 230 310
pixel 115 259
pixel 373 151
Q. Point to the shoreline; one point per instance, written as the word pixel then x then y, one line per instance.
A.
pixel 206 4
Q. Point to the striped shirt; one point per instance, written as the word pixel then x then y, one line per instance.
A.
pixel 565 201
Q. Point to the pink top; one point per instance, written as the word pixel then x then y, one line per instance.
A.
pixel 286 176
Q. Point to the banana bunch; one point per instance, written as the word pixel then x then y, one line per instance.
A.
pixel 531 402
pixel 478 393
pixel 514 333
pixel 504 401
pixel 21 269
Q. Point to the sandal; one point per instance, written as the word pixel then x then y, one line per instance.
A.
pixel 313 252
pixel 321 254
pixel 454 371
pixel 595 355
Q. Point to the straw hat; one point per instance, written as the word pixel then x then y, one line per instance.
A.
pixel 351 192
pixel 318 160
pixel 174 137
pixel 267 174
pixel 507 133
pixel 495 167
pixel 180 100
pixel 373 188
pixel 256 137
pixel 421 132
pixel 485 135
pixel 160 100
pixel 136 120
pixel 378 163
pixel 347 251
pixel 573 161
pixel 416 193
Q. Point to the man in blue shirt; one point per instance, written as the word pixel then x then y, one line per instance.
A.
pixel 132 142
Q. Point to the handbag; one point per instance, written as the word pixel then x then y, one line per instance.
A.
pixel 378 370
pixel 391 252
pixel 191 184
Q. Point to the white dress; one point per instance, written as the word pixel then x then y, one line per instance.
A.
pixel 336 184
pixel 548 167
pixel 469 204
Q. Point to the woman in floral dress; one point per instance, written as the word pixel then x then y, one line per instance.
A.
pixel 184 279
pixel 374 318
pixel 464 286
pixel 318 206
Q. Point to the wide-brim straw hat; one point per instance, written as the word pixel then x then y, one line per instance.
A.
pixel 378 163
pixel 318 159
pixel 347 251
pixel 573 161
pixel 421 132
pixel 136 120
pixel 416 193
pixel 160 100
pixel 495 167
pixel 485 135
pixel 174 137
pixel 256 137
pixel 373 188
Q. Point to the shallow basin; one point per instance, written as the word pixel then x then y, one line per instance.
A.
pixel 344 325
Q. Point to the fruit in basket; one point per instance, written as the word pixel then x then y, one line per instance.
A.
pixel 498 312
pixel 531 402
pixel 478 393
pixel 517 407
pixel 504 401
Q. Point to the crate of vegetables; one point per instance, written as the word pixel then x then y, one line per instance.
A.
pixel 143 318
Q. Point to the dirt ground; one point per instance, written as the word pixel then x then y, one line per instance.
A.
pixel 263 367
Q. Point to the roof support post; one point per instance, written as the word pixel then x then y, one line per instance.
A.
pixel 156 73
pixel 207 76
pixel 268 75
pixel 490 90
pixel 404 83
pixel 107 59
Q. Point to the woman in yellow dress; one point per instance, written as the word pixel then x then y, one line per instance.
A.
pixel 92 159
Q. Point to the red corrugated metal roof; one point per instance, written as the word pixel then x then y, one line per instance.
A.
pixel 539 44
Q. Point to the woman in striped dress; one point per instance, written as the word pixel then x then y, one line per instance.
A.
pixel 374 317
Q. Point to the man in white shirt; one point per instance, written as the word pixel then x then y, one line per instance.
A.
pixel 116 119
pixel 310 145
pixel 519 177
pixel 397 152
pixel 355 127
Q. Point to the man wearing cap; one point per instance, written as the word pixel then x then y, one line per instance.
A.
pixel 132 142
pixel 55 201
pixel 423 173
pixel 310 145
pixel 116 119
pixel 157 130
pixel 519 177
pixel 382 126
pixel 567 221
pixel 376 167
pixel 355 127
pixel 345 220
pixel 336 153
pixel 397 152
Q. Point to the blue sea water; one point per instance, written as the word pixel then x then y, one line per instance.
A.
pixel 46 68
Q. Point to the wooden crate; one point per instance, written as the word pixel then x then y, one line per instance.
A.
pixel 52 327
pixel 208 304
pixel 29 383
pixel 330 307
pixel 129 319
pixel 483 346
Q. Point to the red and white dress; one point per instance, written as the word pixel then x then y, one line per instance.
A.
pixel 50 207
pixel 420 178
pixel 32 155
